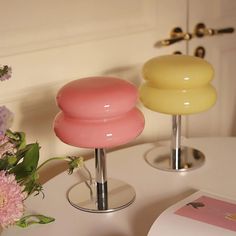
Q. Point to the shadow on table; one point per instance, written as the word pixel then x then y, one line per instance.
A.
pixel 145 217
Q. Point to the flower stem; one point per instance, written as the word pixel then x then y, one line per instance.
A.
pixel 52 159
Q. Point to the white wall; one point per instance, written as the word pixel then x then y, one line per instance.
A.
pixel 50 42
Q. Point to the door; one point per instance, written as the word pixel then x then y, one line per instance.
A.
pixel 221 53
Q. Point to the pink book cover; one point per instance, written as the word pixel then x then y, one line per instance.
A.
pixel 211 211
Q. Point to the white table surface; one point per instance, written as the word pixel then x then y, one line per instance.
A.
pixel 155 191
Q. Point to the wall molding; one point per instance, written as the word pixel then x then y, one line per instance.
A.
pixel 83 24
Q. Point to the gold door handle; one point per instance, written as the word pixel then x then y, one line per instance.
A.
pixel 167 42
pixel 176 35
pixel 201 30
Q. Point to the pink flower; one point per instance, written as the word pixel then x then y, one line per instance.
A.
pixel 11 199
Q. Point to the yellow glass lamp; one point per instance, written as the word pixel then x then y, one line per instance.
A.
pixel 177 85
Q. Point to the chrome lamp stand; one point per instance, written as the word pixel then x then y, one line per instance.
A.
pixel 176 158
pixel 101 195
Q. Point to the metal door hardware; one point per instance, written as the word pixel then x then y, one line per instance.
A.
pixel 177 34
pixel 177 53
pixel 201 30
pixel 200 52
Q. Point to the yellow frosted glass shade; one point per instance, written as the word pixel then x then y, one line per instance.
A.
pixel 178 71
pixel 178 101
pixel 178 84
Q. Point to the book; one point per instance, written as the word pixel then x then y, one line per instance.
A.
pixel 202 213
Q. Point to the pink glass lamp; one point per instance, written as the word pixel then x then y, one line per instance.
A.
pixel 177 85
pixel 99 113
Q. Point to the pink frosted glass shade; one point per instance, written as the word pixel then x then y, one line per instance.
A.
pixel 98 112
pixel 97 97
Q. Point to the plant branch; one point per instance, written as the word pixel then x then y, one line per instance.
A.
pixel 52 159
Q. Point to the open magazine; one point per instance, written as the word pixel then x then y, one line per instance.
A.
pixel 200 214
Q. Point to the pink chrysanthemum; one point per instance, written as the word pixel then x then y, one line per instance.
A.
pixel 11 199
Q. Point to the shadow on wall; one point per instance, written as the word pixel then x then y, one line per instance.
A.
pixel 234 125
pixel 130 73
pixel 133 75
pixel 38 112
pixel 157 126
pixel 38 109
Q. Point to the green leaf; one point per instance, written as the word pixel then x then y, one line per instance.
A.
pixel 12 135
pixel 31 158
pixel 18 138
pixel 3 164
pixel 12 160
pixel 34 219
pixel 31 184
pixel 29 163
pixel 8 162
pixel 22 142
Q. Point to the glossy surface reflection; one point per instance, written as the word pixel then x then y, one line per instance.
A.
pixel 178 85
pixel 96 111
pixel 99 113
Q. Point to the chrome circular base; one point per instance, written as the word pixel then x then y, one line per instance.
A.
pixel 160 158
pixel 84 196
